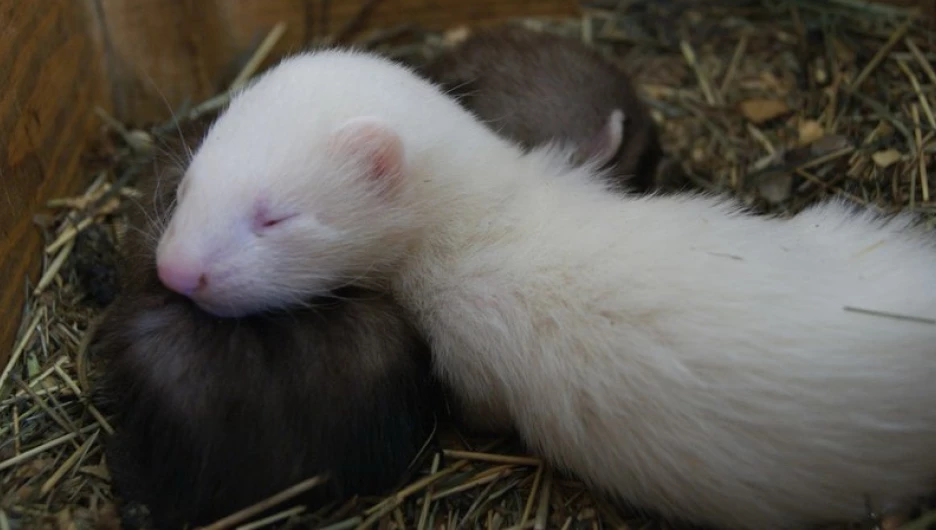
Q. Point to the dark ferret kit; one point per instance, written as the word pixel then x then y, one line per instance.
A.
pixel 534 87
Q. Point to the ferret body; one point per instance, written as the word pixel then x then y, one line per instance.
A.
pixel 537 88
pixel 214 415
pixel 674 351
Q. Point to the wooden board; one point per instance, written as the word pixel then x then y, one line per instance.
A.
pixel 49 81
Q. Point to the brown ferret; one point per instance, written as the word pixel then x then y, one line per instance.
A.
pixel 535 87
pixel 213 415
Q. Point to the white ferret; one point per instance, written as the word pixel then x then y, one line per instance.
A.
pixel 672 350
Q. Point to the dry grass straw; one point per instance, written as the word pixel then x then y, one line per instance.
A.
pixel 781 102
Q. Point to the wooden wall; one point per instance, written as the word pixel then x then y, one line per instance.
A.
pixel 58 58
pixel 49 78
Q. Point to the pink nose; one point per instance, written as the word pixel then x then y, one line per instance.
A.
pixel 181 278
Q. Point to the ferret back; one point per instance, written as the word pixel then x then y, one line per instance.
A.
pixel 535 87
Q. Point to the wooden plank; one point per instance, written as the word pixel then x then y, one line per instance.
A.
pixel 248 22
pixel 49 81
pixel 159 54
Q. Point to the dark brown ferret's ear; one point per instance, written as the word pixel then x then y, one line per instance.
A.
pixel 601 148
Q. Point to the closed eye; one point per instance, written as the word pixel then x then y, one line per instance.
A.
pixel 265 221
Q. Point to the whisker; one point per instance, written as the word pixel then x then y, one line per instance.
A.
pixel 174 118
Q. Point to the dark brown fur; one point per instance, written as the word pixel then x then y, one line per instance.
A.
pixel 214 414
pixel 533 87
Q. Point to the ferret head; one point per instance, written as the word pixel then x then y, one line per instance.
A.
pixel 247 236
pixel 286 199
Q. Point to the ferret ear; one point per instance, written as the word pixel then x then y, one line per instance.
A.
pixel 602 147
pixel 374 144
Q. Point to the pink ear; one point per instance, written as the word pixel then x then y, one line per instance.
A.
pixel 605 144
pixel 374 144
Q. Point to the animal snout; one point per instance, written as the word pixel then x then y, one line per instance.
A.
pixel 182 278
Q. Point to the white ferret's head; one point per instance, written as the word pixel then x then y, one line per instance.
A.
pixel 287 198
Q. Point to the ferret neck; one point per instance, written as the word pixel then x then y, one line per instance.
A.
pixel 460 182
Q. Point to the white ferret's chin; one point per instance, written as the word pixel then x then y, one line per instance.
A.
pixel 225 310
pixel 246 303
pixel 240 305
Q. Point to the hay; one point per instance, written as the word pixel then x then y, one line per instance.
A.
pixel 783 103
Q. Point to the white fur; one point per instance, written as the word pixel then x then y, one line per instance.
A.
pixel 672 350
